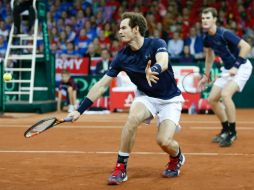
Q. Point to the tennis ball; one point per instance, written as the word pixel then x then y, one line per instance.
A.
pixel 7 76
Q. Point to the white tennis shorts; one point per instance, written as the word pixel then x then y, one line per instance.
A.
pixel 163 109
pixel 242 76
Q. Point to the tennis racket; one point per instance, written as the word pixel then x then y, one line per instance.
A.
pixel 44 125
pixel 191 80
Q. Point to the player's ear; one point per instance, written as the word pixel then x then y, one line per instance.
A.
pixel 215 19
pixel 136 29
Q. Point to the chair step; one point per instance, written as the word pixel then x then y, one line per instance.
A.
pixel 21 46
pixel 18 81
pixel 18 69
pixel 16 92
pixel 24 57
pixel 35 88
pixel 27 37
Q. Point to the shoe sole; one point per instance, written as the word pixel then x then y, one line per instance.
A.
pixel 183 162
pixel 114 182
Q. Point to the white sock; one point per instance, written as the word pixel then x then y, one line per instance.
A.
pixel 123 153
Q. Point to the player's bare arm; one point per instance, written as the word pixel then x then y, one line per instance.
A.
pixel 160 66
pixel 94 93
pixel 208 65
pixel 209 60
pixel 244 50
pixel 99 88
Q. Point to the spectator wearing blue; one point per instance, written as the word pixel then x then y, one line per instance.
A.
pixel 82 41
pixel 3 47
pixel 3 30
pixel 70 52
pixel 193 45
pixel 175 46
pixel 91 30
pixel 71 35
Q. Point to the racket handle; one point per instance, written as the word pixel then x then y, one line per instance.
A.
pixel 68 119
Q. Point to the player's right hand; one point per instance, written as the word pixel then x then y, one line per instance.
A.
pixel 203 82
pixel 151 76
pixel 74 115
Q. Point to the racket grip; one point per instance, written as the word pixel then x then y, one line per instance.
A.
pixel 68 119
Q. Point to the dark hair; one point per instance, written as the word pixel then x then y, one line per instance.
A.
pixel 136 19
pixel 210 10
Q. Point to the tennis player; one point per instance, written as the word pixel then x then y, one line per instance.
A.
pixel 146 61
pixel 232 50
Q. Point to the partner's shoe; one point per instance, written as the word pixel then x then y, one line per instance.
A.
pixel 220 137
pixel 173 166
pixel 118 176
pixel 231 137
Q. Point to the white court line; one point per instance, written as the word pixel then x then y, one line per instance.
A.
pixel 135 153
pixel 213 128
pixel 121 126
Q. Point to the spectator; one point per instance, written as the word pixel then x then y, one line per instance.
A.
pixel 175 46
pixel 3 47
pixel 82 42
pixel 103 40
pixel 193 45
pixel 71 35
pixel 3 30
pixel 103 65
pixel 91 51
pixel 68 88
pixel 70 52
pixel 97 46
pixel 115 47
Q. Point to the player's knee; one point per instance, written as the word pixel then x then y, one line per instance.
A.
pixel 70 89
pixel 163 142
pixel 225 95
pixel 135 119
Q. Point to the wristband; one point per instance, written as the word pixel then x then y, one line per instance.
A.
pixel 85 104
pixel 239 61
pixel 156 68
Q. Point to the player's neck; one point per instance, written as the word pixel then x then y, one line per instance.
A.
pixel 137 43
pixel 212 30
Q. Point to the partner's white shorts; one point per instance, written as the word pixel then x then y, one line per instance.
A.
pixel 163 109
pixel 242 76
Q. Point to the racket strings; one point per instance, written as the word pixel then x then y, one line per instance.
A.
pixel 41 126
pixel 190 82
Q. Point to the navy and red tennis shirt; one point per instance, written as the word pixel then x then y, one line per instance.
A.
pixel 224 43
pixel 134 64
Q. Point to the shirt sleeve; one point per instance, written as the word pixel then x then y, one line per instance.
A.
pixel 231 37
pixel 114 67
pixel 73 84
pixel 160 45
pixel 205 42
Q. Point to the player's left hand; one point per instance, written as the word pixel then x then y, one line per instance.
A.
pixel 151 76
pixel 233 71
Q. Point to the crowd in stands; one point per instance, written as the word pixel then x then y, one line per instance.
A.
pixel 85 27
